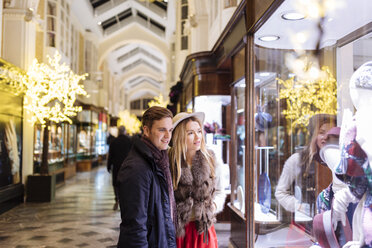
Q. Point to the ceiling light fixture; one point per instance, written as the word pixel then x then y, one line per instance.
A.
pixel 293 16
pixel 269 38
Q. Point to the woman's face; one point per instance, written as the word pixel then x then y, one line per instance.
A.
pixel 193 136
pixel 322 135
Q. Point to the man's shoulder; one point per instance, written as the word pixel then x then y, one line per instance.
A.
pixel 136 160
pixel 135 167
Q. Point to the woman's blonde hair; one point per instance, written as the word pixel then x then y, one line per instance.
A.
pixel 312 149
pixel 177 153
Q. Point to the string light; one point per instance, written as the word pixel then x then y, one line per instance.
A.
pixel 318 8
pixel 49 90
pixel 158 101
pixel 308 97
pixel 130 122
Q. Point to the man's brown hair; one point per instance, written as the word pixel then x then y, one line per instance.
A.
pixel 153 114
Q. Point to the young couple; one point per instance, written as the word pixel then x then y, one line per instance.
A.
pixel 170 201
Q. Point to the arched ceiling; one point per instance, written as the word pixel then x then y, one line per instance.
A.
pixel 129 56
pixel 133 35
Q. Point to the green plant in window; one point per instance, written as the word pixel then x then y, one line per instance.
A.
pixel 305 98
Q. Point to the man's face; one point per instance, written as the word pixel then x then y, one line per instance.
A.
pixel 160 133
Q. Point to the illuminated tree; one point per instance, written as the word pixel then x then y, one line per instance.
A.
pixel 50 96
pixel 158 101
pixel 130 122
pixel 49 91
pixel 305 98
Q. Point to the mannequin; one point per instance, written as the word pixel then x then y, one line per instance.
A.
pixel 331 155
pixel 355 166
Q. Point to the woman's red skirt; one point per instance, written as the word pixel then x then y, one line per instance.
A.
pixel 194 240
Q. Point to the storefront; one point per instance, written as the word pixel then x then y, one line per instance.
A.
pixel 274 108
pixel 101 135
pixel 285 69
pixel 69 149
pixel 56 150
pixel 87 125
pixel 11 118
pixel 206 87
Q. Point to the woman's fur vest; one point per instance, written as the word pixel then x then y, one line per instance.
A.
pixel 195 189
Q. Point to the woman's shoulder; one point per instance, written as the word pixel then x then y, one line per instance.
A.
pixel 294 159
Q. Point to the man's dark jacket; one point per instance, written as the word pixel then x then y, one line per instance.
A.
pixel 118 151
pixel 144 202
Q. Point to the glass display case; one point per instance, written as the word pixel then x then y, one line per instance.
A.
pixel 101 135
pixel 289 103
pixel 56 147
pixel 69 149
pixel 294 89
pixel 85 142
pixel 11 147
pixel 215 128
pixel 71 139
pixel 239 100
pixel 86 148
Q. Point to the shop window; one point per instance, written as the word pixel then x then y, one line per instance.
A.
pixel 56 148
pixel 86 134
pixel 71 147
pixel 101 135
pixel 294 108
pixel 10 139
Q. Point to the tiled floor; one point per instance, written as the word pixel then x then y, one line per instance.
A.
pixel 80 216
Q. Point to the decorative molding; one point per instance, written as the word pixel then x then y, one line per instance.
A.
pixel 14 14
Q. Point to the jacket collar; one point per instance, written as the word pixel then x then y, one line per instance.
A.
pixel 142 148
pixel 144 151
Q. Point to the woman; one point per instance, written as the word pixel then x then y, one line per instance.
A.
pixel 299 167
pixel 197 183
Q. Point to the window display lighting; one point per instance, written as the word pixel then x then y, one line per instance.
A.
pixel 130 122
pixel 269 38
pixel 293 16
pixel 50 89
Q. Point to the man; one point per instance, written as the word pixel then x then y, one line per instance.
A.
pixel 118 151
pixel 145 186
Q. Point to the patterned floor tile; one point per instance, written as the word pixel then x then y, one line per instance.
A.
pixel 65 240
pixel 80 216
pixel 105 240
pixel 2 238
pixel 82 245
pixel 38 237
pixel 64 229
pixel 88 234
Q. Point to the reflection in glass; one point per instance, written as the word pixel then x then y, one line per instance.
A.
pixel 239 89
pixel 10 150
